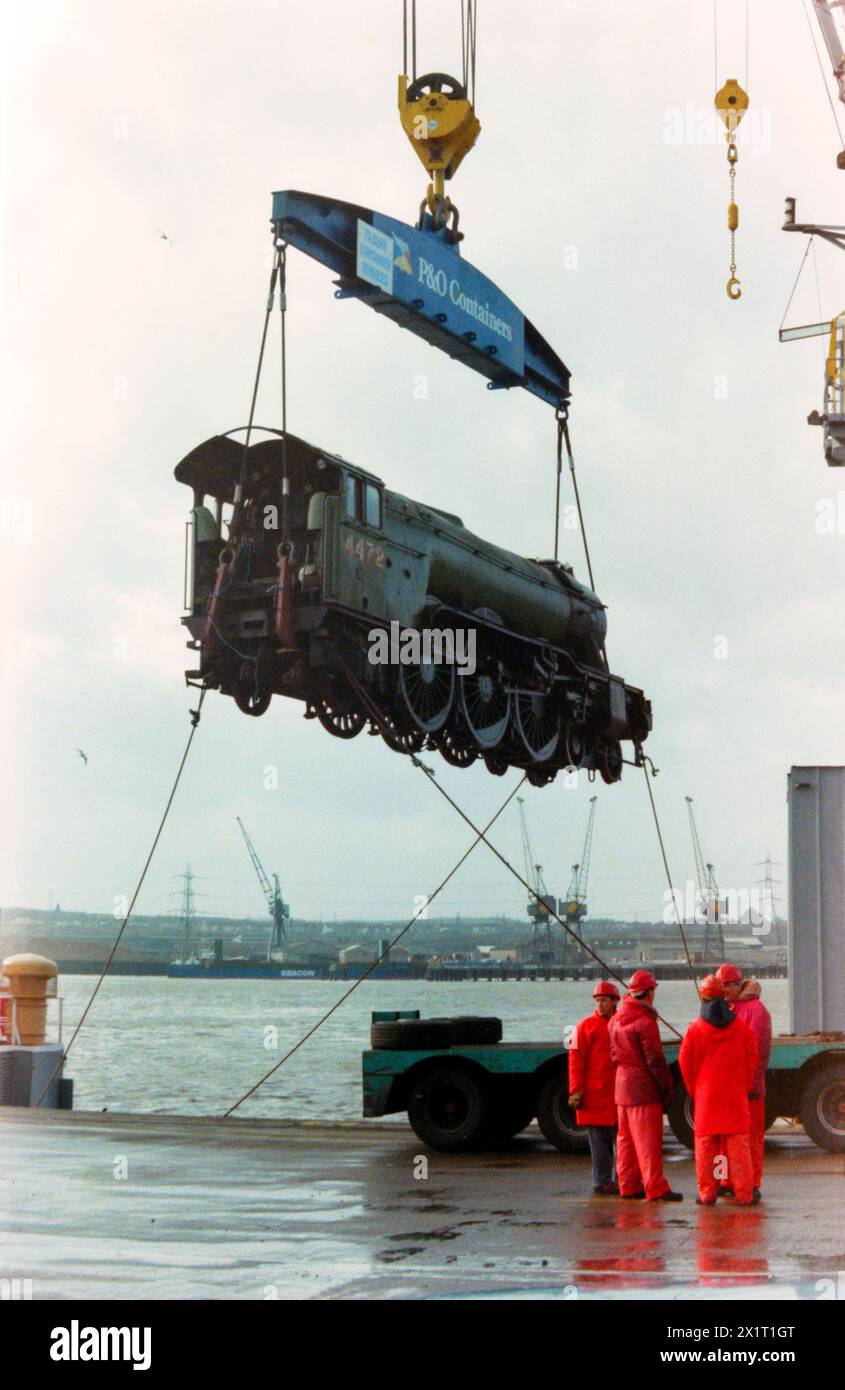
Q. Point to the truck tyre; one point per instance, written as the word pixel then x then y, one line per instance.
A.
pixel 555 1118
pixel 511 1109
pixel 772 1110
pixel 473 1028
pixel 425 1033
pixel 679 1114
pixel 822 1107
pixel 411 1035
pixel 448 1107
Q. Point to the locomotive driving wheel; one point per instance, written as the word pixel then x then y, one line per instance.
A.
pixel 427 689
pixel 338 720
pixel 486 706
pixel 537 724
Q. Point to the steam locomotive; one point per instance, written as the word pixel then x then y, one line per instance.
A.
pixel 300 617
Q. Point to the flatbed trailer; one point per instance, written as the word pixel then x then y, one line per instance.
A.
pixel 462 1094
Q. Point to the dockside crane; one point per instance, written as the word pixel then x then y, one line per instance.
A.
pixel 277 907
pixel 539 907
pixel 714 940
pixel 831 21
pixel 574 909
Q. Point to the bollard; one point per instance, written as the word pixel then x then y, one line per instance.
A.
pixel 28 977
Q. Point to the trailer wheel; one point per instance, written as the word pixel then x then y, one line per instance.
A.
pixel 822 1107
pixel 511 1110
pixel 679 1114
pixel 448 1107
pixel 557 1120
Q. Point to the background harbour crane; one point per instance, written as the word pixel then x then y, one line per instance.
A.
pixel 539 906
pixel 714 940
pixel 574 909
pixel 277 907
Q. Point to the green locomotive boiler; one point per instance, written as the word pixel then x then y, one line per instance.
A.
pixel 301 617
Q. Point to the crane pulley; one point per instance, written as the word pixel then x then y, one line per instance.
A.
pixel 438 117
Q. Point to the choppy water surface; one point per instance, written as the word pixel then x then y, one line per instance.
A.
pixel 193 1047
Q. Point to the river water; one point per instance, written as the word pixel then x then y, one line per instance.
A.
pixel 193 1047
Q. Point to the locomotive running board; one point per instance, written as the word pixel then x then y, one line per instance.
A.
pixel 417 278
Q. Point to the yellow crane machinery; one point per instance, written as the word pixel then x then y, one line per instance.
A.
pixel 438 116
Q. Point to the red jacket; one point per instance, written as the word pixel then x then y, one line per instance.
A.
pixel 591 1072
pixel 756 1016
pixel 718 1061
pixel 642 1073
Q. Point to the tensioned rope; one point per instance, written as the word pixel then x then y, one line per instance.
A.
pixel 195 719
pixel 342 1000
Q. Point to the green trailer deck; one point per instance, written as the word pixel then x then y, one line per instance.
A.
pixel 461 1094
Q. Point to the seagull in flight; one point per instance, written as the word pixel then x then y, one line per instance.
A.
pixel 83 756
pixel 164 236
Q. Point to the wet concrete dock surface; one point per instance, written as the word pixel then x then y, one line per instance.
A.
pixel 151 1206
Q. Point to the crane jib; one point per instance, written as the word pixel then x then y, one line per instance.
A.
pixel 417 278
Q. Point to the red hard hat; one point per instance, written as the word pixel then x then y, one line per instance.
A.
pixel 640 982
pixel 711 987
pixel 729 974
pixel 605 990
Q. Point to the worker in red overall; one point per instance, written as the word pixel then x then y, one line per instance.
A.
pixel 591 1086
pixel 643 1086
pixel 718 1062
pixel 744 998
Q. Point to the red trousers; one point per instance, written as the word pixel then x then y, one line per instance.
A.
pixel 757 1135
pixel 639 1150
pixel 734 1151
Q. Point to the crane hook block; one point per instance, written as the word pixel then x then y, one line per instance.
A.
pixel 731 104
pixel 439 121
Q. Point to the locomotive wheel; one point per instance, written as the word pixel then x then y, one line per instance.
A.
pixel 496 763
pixel 610 761
pixel 427 691
pixel 486 707
pixel 539 777
pixel 400 737
pixel 576 745
pixel 342 723
pixel 537 725
pixel 454 750
pixel 250 695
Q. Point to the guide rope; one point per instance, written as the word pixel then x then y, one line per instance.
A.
pixel 195 719
pixel 342 1000
pixel 647 762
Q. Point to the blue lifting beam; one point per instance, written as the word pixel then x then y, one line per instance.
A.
pixel 418 278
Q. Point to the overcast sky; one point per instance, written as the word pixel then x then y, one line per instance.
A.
pixel 596 199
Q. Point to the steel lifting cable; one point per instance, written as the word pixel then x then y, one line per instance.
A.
pixel 271 294
pixel 797 278
pixel 195 719
pixel 647 761
pixel 451 874
pixel 563 435
pixel 283 307
pixel 823 77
